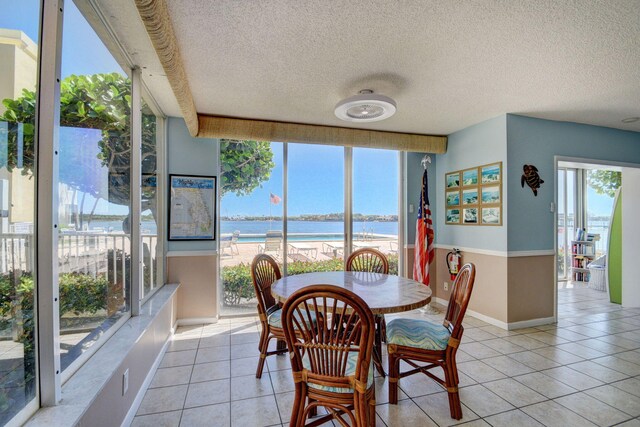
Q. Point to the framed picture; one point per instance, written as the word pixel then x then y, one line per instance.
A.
pixel 470 196
pixel 490 194
pixel 453 198
pixel 491 216
pixel 453 216
pixel 470 177
pixel 470 216
pixel 473 196
pixel 491 173
pixel 192 207
pixel 453 179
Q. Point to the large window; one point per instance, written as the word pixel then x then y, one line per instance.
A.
pixel 94 249
pixel 151 209
pixel 315 209
pixel 19 26
pixel 375 202
pixel 251 216
pixel 267 186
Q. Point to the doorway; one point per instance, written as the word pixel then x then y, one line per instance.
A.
pixel 585 197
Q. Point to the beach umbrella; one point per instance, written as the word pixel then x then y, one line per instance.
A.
pixel 424 250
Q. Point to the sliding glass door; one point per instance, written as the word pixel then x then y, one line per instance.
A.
pixel 567 183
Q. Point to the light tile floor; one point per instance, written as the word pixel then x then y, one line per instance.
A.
pixel 583 371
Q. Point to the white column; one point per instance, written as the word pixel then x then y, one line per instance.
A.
pixel 630 237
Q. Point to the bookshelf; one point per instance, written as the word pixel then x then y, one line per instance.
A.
pixel 582 253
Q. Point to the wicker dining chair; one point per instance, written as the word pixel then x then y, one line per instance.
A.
pixel 368 259
pixel 330 357
pixel 265 271
pixel 413 340
pixel 372 261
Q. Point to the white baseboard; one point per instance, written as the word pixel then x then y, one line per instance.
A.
pixel 196 321
pixel 531 323
pixel 500 324
pixel 133 410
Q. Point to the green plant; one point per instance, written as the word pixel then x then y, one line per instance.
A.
pixel 237 279
pixel 103 102
pixel 237 283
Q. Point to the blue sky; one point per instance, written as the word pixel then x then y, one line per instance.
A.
pixel 316 176
pixel 316 183
pixel 82 53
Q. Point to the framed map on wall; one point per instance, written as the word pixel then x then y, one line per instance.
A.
pixel 192 207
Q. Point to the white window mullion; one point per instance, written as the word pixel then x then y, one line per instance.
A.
pixel 285 203
pixel 402 195
pixel 46 227
pixel 348 202
pixel 136 191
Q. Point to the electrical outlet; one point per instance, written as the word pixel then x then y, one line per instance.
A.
pixel 125 382
pixel 410 207
pixel 446 286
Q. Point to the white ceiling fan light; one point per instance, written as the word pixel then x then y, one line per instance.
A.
pixel 365 107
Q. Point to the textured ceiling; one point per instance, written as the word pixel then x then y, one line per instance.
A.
pixel 448 64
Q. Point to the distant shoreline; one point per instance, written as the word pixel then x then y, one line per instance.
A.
pixel 326 218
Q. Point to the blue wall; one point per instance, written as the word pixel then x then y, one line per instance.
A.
pixel 188 155
pixel 414 187
pixel 476 145
pixel 537 142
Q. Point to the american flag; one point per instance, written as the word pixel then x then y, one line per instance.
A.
pixel 424 251
pixel 274 199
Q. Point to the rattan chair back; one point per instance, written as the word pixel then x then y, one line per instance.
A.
pixel 459 299
pixel 325 326
pixel 264 271
pixel 369 260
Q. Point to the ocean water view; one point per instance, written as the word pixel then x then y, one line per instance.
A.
pixel 333 228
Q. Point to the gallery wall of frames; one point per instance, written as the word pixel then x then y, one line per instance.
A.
pixel 473 196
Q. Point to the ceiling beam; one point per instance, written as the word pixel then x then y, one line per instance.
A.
pixel 156 19
pixel 263 130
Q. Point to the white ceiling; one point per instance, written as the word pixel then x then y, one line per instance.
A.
pixel 448 64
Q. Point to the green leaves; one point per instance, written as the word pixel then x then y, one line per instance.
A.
pixel 245 165
pixel 604 181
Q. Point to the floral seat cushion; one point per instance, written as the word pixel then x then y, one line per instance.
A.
pixel 418 334
pixel 352 361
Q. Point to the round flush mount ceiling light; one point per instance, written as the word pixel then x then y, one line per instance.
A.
pixel 630 120
pixel 365 107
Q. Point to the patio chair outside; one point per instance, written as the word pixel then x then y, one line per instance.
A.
pixel 225 243
pixel 272 243
pixel 329 332
pixel 234 242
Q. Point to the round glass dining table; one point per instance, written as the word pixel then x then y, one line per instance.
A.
pixel 383 293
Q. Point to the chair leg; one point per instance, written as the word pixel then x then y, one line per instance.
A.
pixel 297 411
pixel 281 345
pixel 372 411
pixel 263 347
pixel 313 412
pixel 452 390
pixel 394 375
pixel 381 327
